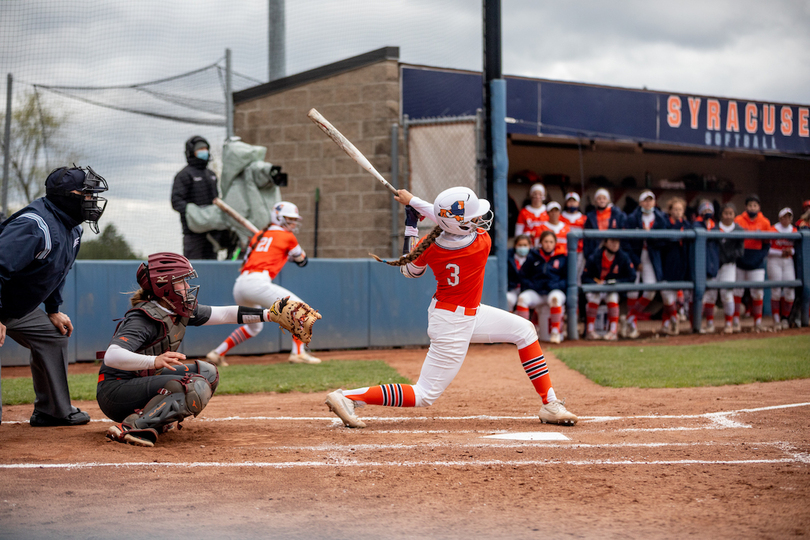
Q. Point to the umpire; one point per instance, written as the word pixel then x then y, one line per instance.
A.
pixel 38 246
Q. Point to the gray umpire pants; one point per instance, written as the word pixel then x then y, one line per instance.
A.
pixel 49 361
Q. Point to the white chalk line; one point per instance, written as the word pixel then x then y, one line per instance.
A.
pixel 353 463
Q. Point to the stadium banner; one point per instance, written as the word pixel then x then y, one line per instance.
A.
pixel 551 108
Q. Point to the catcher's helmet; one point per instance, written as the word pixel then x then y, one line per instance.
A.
pixel 285 215
pixel 166 276
pixel 460 211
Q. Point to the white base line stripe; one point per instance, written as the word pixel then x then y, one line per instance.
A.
pixel 352 463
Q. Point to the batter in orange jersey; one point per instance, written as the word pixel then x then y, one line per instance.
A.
pixel 268 252
pixel 456 250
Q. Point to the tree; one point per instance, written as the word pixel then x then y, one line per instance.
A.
pixel 109 245
pixel 34 146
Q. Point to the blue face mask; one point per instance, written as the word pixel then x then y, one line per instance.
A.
pixel 522 251
pixel 202 154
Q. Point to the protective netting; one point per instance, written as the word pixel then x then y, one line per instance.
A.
pixel 121 86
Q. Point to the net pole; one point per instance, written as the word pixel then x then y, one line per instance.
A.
pixel 7 145
pixel 228 96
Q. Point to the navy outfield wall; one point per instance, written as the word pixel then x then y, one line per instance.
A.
pixel 363 303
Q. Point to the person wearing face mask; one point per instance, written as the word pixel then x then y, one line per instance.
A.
pixel 646 256
pixel 544 285
pixel 519 258
pixel 533 214
pixel 197 184
pixel 751 266
pixel 604 216
pixel 607 265
pixel 38 246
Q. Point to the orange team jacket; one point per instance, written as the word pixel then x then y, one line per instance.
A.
pixel 270 252
pixel 531 218
pixel 575 221
pixel 759 223
pixel 560 230
pixel 778 244
pixel 459 272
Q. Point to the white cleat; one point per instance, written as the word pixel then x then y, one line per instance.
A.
pixel 554 412
pixel 610 336
pixel 344 408
pixel 304 358
pixel 216 359
pixel 785 324
pixel 728 329
pixel 555 338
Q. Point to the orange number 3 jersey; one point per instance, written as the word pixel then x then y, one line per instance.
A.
pixel 271 250
pixel 459 271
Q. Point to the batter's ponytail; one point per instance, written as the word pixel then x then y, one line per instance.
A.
pixel 417 251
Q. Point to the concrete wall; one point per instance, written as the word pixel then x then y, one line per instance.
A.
pixel 355 210
pixel 363 303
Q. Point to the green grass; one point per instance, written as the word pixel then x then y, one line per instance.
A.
pixel 244 379
pixel 714 364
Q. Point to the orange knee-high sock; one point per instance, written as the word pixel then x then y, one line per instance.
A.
pixel 523 311
pixel 787 307
pixel 756 311
pixel 556 316
pixel 590 316
pixel 534 364
pixel 775 305
pixel 388 395
pixel 297 346
pixel 240 335
pixel 737 304
pixel 708 312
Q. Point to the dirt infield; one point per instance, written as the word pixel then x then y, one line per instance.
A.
pixel 725 462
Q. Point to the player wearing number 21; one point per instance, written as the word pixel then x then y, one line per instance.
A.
pixel 267 253
pixel 456 250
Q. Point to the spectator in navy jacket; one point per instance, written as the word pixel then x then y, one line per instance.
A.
pixel 38 246
pixel 608 264
pixel 675 263
pixel 517 260
pixel 545 281
pixel 646 256
pixel 604 216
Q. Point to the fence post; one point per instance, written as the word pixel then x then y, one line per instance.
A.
pixel 804 265
pixel 698 277
pixel 572 294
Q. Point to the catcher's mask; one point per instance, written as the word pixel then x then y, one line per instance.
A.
pixel 166 276
pixel 460 211
pixel 85 205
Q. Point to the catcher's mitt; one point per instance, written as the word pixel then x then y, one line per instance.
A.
pixel 295 317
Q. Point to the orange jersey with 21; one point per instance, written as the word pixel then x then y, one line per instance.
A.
pixel 270 252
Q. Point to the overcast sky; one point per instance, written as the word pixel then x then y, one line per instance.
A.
pixel 746 49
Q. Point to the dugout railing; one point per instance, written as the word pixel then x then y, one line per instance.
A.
pixel 698 239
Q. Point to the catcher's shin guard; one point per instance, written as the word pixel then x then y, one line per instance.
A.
pixel 177 400
pixel 210 372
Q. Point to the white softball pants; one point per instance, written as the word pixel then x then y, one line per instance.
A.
pixel 727 272
pixel 751 275
pixel 450 336
pixel 782 269
pixel 512 298
pixel 598 297
pixel 256 289
pixel 531 299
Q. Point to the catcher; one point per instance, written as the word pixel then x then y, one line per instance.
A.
pixel 143 383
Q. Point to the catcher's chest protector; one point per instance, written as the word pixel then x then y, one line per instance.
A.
pixel 174 328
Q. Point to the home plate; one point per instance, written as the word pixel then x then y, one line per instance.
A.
pixel 530 436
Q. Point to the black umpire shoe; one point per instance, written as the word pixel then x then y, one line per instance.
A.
pixel 77 418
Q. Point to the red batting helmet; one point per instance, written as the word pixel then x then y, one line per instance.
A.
pixel 160 274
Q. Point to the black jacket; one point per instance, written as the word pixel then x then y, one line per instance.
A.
pixel 194 184
pixel 516 277
pixel 38 246
pixel 617 221
pixel 622 269
pixel 545 275
pixel 635 246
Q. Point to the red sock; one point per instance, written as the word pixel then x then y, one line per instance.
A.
pixel 590 315
pixel 298 346
pixel 737 303
pixel 556 316
pixel 787 307
pixel 522 311
pixel 708 312
pixel 631 303
pixel 534 364
pixel 388 395
pixel 669 312
pixel 756 311
pixel 641 304
pixel 775 307
pixel 613 316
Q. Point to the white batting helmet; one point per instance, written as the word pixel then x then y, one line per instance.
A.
pixel 457 208
pixel 285 215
